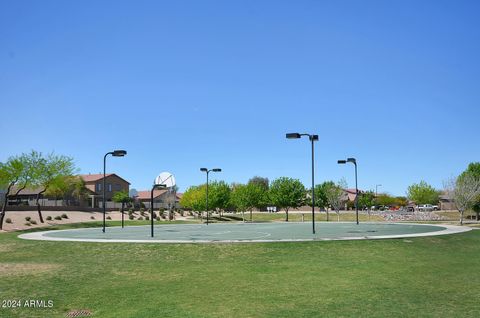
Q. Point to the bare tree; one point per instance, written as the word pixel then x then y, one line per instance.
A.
pixel 464 191
pixel 336 196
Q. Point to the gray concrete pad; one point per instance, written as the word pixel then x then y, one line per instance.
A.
pixel 247 232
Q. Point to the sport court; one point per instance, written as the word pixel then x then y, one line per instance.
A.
pixel 247 232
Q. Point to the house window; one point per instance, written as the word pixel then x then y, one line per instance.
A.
pixel 99 187
pixel 109 187
pixel 117 187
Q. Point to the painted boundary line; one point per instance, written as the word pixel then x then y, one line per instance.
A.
pixel 449 229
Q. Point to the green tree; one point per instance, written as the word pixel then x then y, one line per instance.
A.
pixel 264 185
pixel 10 173
pixel 261 181
pixel 384 199
pixel 400 201
pixel 219 196
pixel 366 199
pixel 247 197
pixel 287 193
pixel 47 170
pixel 423 193
pixel 121 197
pixel 321 199
pixel 194 198
pixel 29 161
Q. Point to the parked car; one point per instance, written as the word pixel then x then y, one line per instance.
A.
pixel 425 208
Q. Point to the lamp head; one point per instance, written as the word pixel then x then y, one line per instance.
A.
pixel 204 169
pixel 293 135
pixel 314 138
pixel 159 186
pixel 352 160
pixel 216 170
pixel 341 162
pixel 119 153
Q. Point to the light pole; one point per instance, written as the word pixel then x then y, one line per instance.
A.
pixel 354 161
pixel 376 190
pixel 208 171
pixel 376 195
pixel 115 153
pixel 151 204
pixel 312 138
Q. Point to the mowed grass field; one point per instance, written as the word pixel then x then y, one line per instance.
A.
pixel 419 277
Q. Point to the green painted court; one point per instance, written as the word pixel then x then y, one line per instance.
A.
pixel 247 232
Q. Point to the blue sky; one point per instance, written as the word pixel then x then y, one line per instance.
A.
pixel 186 84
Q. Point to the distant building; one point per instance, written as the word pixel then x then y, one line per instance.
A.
pixel 162 198
pixel 93 186
pixel 113 184
pixel 446 202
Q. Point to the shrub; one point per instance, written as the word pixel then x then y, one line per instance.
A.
pixel 58 217
pixel 157 218
pixel 8 220
pixel 140 218
pixel 142 210
pixel 28 219
pixel 27 223
pixel 92 218
pixel 49 218
pixel 147 218
pixel 109 217
pixel 131 217
pixel 64 216
pixel 33 222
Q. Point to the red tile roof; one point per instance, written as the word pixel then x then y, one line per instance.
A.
pixel 145 195
pixel 98 176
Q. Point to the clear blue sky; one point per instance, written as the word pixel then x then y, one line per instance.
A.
pixel 186 84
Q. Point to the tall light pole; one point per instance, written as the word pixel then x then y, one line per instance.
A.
pixel 151 205
pixel 312 138
pixel 115 153
pixel 208 171
pixel 376 190
pixel 354 161
pixel 376 195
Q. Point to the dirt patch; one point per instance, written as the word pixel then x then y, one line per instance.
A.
pixel 22 269
pixel 6 247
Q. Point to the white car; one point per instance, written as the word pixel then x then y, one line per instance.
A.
pixel 425 208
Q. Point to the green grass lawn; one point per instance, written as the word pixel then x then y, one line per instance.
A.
pixel 420 277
